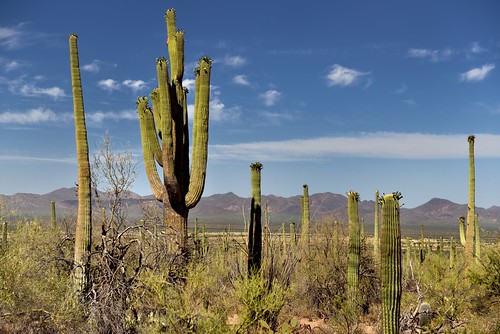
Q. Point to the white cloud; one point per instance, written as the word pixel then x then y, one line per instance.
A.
pixel 386 145
pixel 31 90
pixel 241 79
pixel 189 84
pixel 135 85
pixel 433 55
pixel 33 116
pixel 401 89
pixel 343 76
pixel 109 84
pixel 93 67
pixel 410 102
pixel 24 158
pixel 234 61
pixel 478 73
pixel 271 97
pixel 12 65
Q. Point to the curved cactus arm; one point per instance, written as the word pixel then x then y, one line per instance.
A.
pixel 148 137
pixel 200 134
pixel 154 130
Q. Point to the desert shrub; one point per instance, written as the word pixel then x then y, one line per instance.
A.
pixel 34 273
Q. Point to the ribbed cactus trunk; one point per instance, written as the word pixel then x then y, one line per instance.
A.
pixel 390 262
pixel 53 214
pixel 354 245
pixel 471 205
pixel 376 241
pixel 452 253
pixel 83 234
pixel 165 137
pixel 4 234
pixel 461 228
pixel 265 236
pixel 477 239
pixel 306 219
pixel 255 229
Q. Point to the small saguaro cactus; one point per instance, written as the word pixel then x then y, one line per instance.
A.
pixel 471 205
pixel 354 245
pixel 53 214
pixel 165 137
pixel 452 253
pixel 83 234
pixel 255 228
pixel 461 228
pixel 306 218
pixel 390 263
pixel 376 242
pixel 4 234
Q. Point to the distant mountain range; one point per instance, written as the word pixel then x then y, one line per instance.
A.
pixel 223 209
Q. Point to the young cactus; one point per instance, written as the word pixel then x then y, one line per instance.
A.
pixel 461 228
pixel 53 214
pixel 83 234
pixel 390 263
pixel 165 137
pixel 304 234
pixel 354 245
pixel 255 229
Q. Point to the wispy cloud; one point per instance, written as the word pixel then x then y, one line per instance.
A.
pixel 476 48
pixel 101 116
pixel 478 73
pixel 241 79
pixel 343 76
pixel 32 116
pixel 10 37
pixel 271 97
pixel 386 145
pixel 111 85
pixel 29 158
pixel 94 66
pixel 433 55
pixel 234 61
pixel 410 102
pixel 32 90
pixel 401 89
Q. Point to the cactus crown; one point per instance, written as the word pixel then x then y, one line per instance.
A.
pixel 256 166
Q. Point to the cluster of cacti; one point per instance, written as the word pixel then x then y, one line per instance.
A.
pixel 354 245
pixel 83 234
pixel 255 228
pixel 471 205
pixel 167 122
pixel 390 263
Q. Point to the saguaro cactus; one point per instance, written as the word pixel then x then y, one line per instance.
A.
pixel 376 242
pixel 165 137
pixel 83 234
pixel 306 218
pixel 354 245
pixel 53 214
pixel 477 239
pixel 390 262
pixel 471 205
pixel 255 229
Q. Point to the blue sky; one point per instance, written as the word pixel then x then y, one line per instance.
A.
pixel 339 95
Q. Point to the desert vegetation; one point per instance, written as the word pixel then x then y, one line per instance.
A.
pixel 101 272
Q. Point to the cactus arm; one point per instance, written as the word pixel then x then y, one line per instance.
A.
pixel 172 42
pixel 461 227
pixel 148 137
pixel 200 134
pixel 154 130
pixel 83 234
pixel 390 250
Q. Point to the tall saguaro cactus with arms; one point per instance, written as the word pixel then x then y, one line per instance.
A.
pixel 83 234
pixel 471 206
pixel 165 136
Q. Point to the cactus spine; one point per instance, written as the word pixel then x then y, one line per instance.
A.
pixel 255 229
pixel 461 227
pixel 83 234
pixel 390 249
pixel 181 188
pixel 354 245
pixel 471 205
pixel 306 218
